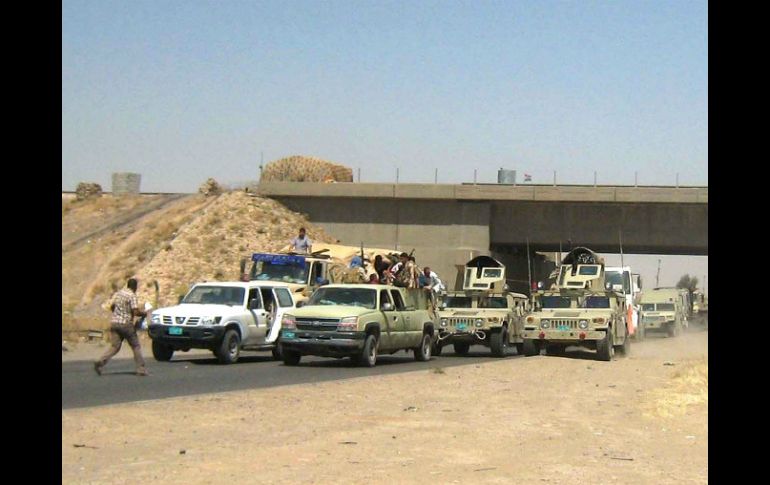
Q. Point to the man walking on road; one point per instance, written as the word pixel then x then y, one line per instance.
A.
pixel 124 308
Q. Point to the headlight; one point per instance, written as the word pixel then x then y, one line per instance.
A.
pixel 545 323
pixel 348 324
pixel 210 320
pixel 583 324
pixel 288 322
pixel 155 318
pixel 479 322
pixel 444 322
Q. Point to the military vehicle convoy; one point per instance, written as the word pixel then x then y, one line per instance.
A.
pixel 359 321
pixel 484 313
pixel 579 309
pixel 665 310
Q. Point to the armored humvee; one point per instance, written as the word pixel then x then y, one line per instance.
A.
pixel 484 313
pixel 579 309
pixel 663 310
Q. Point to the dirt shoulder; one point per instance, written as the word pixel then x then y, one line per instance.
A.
pixel 640 419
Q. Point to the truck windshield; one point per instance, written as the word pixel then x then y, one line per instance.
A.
pixel 555 301
pixel 596 302
pixel 286 273
pixel 215 295
pixel 458 302
pixel 665 307
pixel 493 302
pixel 648 307
pixel 344 296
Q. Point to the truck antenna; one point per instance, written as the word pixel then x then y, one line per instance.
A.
pixel 529 271
pixel 622 266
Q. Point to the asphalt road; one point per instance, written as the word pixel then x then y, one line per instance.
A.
pixel 199 374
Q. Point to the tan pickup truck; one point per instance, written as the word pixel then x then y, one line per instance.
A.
pixel 359 321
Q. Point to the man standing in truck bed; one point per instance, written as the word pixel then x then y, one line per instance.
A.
pixel 301 243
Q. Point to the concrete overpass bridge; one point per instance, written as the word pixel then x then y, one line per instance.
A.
pixel 448 224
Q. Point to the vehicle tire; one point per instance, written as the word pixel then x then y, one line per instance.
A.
pixel 369 352
pixel 277 352
pixel 162 352
pixel 530 347
pixel 604 348
pixel 422 353
pixel 625 348
pixel 461 348
pixel 554 349
pixel 290 357
pixel 519 348
pixel 436 348
pixel 498 342
pixel 229 348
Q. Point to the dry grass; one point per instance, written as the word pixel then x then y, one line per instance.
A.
pixel 688 387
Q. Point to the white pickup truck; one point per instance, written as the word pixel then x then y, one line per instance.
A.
pixel 224 317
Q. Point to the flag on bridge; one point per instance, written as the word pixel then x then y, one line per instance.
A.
pixel 527 177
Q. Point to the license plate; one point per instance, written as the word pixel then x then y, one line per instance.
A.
pixel 460 326
pixel 289 335
pixel 175 331
pixel 563 328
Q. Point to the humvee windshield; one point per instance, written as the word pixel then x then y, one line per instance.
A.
pixel 287 273
pixel 555 301
pixel 661 307
pixel 344 296
pixel 596 302
pixel 493 302
pixel 216 295
pixel 458 302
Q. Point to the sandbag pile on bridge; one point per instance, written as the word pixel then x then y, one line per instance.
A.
pixel 305 169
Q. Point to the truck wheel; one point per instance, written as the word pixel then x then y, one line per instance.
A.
pixel 530 348
pixel 277 354
pixel 422 353
pixel 229 348
pixel 290 357
pixel 498 342
pixel 624 349
pixel 554 349
pixel 436 348
pixel 369 352
pixel 519 348
pixel 461 348
pixel 162 352
pixel 604 348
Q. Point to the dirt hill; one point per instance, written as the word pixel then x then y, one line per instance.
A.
pixel 174 240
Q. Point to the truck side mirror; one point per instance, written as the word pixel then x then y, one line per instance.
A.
pixel 386 307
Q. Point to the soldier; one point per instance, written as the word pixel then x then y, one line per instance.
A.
pixel 124 308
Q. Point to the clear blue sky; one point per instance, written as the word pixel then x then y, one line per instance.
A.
pixel 180 91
